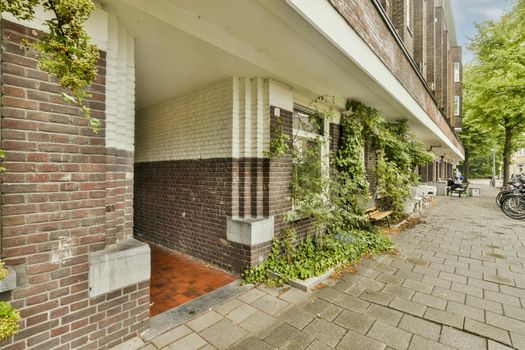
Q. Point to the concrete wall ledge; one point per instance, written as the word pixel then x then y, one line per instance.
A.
pixel 126 263
pixel 8 283
pixel 250 231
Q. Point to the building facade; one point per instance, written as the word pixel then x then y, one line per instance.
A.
pixel 190 93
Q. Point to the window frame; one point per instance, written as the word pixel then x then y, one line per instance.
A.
pixel 457 72
pixel 302 134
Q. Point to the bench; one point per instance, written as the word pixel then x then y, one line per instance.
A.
pixel 462 189
pixel 375 215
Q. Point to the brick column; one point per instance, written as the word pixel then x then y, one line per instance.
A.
pixel 420 35
pixel 430 42
pixel 64 197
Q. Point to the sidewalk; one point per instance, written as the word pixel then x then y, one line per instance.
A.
pixel 458 283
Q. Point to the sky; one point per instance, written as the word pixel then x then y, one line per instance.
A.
pixel 466 12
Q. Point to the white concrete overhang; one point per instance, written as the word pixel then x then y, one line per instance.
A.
pixel 182 45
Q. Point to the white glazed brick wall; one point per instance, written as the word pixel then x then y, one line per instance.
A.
pixel 251 119
pixel 120 88
pixel 230 118
pixel 196 125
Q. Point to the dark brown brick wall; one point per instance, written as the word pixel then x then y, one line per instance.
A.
pixel 456 56
pixel 365 19
pixel 430 42
pixel 60 182
pixel 370 166
pixel 335 138
pixel 281 173
pixel 420 35
pixel 438 56
pixel 184 205
pixel 404 25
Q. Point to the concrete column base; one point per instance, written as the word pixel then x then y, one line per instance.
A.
pixel 250 231
pixel 113 268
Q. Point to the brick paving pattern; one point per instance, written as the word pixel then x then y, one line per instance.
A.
pixel 457 283
pixel 177 279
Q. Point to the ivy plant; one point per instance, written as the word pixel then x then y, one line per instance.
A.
pixel 341 234
pixel 65 50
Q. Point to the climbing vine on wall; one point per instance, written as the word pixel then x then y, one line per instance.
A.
pixel 341 232
pixel 398 154
pixel 64 49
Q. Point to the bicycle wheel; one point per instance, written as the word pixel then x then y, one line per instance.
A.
pixel 514 206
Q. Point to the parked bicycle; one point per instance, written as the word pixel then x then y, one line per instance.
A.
pixel 511 198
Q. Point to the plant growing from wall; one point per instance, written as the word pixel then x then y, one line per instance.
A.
pixel 279 142
pixel 9 316
pixel 64 49
pixel 398 154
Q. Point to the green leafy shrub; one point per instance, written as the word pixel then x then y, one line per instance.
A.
pixel 9 318
pixel 311 259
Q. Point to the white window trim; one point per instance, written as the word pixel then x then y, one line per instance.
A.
pixel 457 74
pixel 325 147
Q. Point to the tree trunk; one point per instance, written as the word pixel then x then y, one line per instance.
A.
pixel 466 165
pixel 507 154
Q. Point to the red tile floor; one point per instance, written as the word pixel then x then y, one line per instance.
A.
pixel 176 279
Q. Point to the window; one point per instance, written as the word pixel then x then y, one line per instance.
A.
pixel 521 168
pixel 457 106
pixel 310 150
pixel 521 152
pixel 409 13
pixel 456 72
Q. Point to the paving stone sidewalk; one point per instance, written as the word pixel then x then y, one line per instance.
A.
pixel 457 283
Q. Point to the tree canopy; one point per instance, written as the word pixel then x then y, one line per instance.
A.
pixel 495 86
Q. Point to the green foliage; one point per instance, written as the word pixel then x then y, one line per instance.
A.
pixel 3 270
pixel 9 318
pixel 341 233
pixel 311 259
pixel 279 143
pixel 495 86
pixel 64 50
pixel 21 9
pixel 397 153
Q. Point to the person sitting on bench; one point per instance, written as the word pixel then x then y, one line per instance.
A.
pixel 452 185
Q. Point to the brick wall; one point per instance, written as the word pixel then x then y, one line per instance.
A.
pixel 364 18
pixel 420 35
pixel 438 55
pixel 404 25
pixel 456 56
pixel 184 204
pixel 196 125
pixel 64 195
pixel 370 166
pixel 446 71
pixel 430 42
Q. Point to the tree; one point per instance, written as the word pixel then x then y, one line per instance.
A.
pixel 495 82
pixel 477 140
